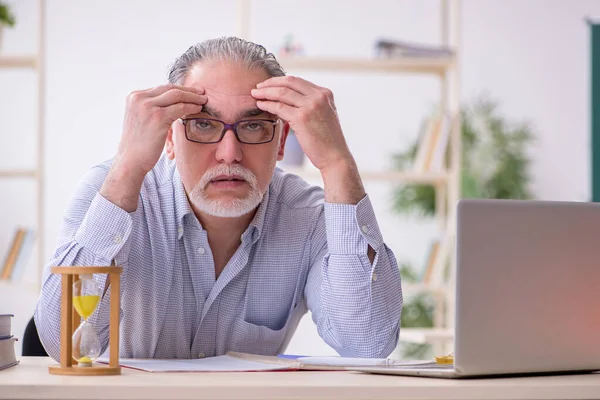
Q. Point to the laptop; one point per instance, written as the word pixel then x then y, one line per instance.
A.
pixel 527 290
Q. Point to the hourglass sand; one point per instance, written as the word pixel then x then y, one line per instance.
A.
pixel 86 345
pixel 79 343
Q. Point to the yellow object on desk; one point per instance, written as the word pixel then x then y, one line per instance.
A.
pixel 448 359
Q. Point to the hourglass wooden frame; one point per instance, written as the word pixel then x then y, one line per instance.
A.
pixel 69 321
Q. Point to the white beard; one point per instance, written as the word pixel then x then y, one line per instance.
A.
pixel 226 208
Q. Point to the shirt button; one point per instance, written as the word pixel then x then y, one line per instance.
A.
pixel 374 277
pixel 200 250
pixel 180 230
pixel 201 355
pixel 364 229
pixel 117 239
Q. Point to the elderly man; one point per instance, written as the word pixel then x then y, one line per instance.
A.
pixel 220 249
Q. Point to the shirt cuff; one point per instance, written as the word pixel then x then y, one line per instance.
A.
pixel 351 227
pixel 105 230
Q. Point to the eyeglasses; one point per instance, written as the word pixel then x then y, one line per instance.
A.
pixel 208 130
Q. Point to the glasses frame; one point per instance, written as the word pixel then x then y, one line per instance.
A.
pixel 227 127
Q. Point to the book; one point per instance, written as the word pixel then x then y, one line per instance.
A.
pixel 245 362
pixel 389 48
pixel 8 357
pixel 18 254
pixel 5 325
pixel 438 156
pixel 433 144
pixel 430 262
pixel 11 255
pixel 424 139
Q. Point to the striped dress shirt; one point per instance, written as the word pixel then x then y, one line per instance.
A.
pixel 299 253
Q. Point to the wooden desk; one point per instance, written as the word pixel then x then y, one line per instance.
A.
pixel 30 380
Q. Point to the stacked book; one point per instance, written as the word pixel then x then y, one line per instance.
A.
pixel 433 144
pixel 18 254
pixel 390 48
pixel 8 358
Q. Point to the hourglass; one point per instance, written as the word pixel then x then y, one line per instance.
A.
pixel 79 342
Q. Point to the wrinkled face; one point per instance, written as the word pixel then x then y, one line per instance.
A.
pixel 228 178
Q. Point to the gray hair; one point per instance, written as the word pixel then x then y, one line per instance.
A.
pixel 228 49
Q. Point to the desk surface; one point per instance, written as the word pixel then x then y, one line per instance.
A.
pixel 31 380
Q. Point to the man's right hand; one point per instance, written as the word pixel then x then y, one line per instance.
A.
pixel 148 117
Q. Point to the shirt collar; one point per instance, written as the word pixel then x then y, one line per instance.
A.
pixel 183 208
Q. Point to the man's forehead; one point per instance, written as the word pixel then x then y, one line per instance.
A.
pixel 237 113
pixel 231 106
pixel 227 88
pixel 241 96
pixel 231 113
pixel 239 91
pixel 224 79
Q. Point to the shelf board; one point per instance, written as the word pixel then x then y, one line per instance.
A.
pixel 18 62
pixel 426 335
pixel 18 173
pixel 428 65
pixel 410 288
pixel 384 176
pixel 7 284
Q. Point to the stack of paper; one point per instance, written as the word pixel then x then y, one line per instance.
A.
pixel 243 362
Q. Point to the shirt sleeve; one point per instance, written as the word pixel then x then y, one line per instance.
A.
pixel 356 305
pixel 94 232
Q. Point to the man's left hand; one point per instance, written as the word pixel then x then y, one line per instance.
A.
pixel 311 113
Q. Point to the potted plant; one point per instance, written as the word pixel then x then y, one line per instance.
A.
pixel 6 19
pixel 494 164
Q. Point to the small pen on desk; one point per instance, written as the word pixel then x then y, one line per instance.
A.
pixel 346 361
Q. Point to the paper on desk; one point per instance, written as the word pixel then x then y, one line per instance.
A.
pixel 209 364
pixel 244 362
pixel 337 363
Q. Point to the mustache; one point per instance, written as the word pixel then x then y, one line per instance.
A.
pixel 228 169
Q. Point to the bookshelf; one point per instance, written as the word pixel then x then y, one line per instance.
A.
pixel 35 63
pixel 19 173
pixel 445 182
pixel 18 62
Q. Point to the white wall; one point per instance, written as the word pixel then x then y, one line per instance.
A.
pixel 531 55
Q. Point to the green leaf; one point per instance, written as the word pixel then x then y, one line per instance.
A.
pixel 6 17
pixel 489 142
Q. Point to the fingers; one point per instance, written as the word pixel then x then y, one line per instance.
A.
pixel 165 95
pixel 282 110
pixel 173 96
pixel 142 95
pixel 281 94
pixel 298 84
